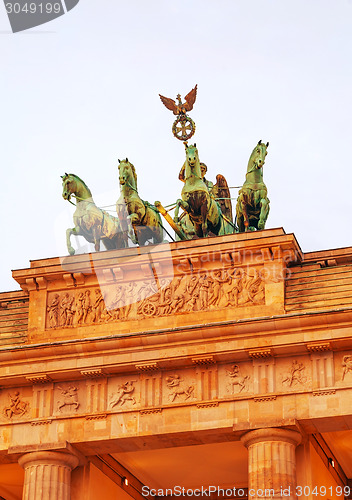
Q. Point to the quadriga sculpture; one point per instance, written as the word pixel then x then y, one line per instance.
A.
pixel 145 218
pixel 90 221
pixel 252 206
pixel 203 210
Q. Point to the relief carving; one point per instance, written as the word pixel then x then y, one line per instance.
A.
pixel 123 394
pixel 66 310
pixel 53 311
pixel 69 397
pixel 295 375
pixel 16 406
pixel 236 379
pixel 233 287
pixel 173 382
pixel 347 365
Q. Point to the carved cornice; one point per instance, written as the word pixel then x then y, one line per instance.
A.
pixel 319 346
pixel 149 411
pixel 99 416
pixel 261 399
pixel 41 422
pixel 98 372
pixel 210 404
pixel 266 352
pixel 147 367
pixel 39 379
pixel 203 360
pixel 324 392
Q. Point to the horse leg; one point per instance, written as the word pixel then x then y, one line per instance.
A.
pixel 177 209
pixel 75 232
pixel 242 213
pixel 184 205
pixel 264 212
pixel 96 233
pixel 204 214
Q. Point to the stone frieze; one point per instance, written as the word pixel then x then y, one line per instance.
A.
pixel 148 298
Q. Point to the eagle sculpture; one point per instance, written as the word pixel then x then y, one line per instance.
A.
pixel 182 107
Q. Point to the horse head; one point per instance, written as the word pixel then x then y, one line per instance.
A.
pixel 68 186
pixel 72 184
pixel 127 174
pixel 257 158
pixel 192 155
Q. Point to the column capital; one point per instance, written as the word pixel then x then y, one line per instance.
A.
pixel 48 458
pixel 271 434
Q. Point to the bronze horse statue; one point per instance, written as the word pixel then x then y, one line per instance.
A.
pixel 197 200
pixel 91 222
pixel 145 218
pixel 252 206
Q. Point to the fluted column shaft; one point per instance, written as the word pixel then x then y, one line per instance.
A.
pixel 47 475
pixel 271 463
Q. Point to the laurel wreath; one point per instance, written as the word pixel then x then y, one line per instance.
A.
pixel 184 136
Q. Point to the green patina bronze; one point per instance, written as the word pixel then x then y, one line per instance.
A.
pixel 90 221
pixel 144 217
pixel 252 206
pixel 204 213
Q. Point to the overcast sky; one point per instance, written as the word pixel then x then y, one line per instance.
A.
pixel 82 91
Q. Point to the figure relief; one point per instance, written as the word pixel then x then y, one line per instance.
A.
pixel 183 294
pixel 236 379
pixel 347 366
pixel 66 310
pixel 98 308
pixel 124 393
pixel 173 382
pixel 53 311
pixel 16 406
pixel 296 375
pixel 69 397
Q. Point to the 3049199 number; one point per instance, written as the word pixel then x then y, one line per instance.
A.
pixel 322 491
pixel 34 8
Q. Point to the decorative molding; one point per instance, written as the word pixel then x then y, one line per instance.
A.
pixel 203 360
pixel 68 278
pixel 324 392
pixel 41 422
pixel 149 411
pixel 94 373
pixel 212 404
pixel 101 416
pixel 147 367
pixel 42 282
pixel 319 346
pixel 108 275
pixel 39 379
pixel 79 278
pixel 265 352
pixel 261 399
pixel 31 284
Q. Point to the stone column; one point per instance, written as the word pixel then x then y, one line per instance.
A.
pixel 272 463
pixel 47 475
